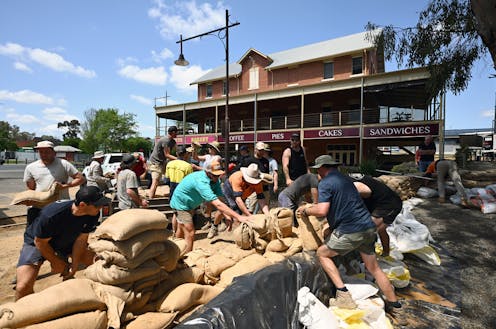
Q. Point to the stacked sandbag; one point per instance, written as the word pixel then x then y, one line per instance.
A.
pixel 310 230
pixel 134 256
pixel 56 307
pixel 405 186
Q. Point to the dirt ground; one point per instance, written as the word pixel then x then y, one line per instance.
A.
pixel 461 293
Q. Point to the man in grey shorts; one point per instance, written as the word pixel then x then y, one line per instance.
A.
pixel 353 229
pixel 306 186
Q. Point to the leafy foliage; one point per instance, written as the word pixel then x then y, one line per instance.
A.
pixel 106 130
pixel 445 40
pixel 141 144
pixel 72 128
pixel 7 134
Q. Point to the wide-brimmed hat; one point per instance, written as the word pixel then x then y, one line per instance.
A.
pixel 251 174
pixel 324 160
pixel 98 154
pixel 44 144
pixel 214 168
pixel 91 195
pixel 215 145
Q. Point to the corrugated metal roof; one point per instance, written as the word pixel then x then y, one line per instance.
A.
pixel 325 49
pixel 66 148
pixel 472 131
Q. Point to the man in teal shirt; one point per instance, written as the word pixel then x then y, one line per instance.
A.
pixel 194 189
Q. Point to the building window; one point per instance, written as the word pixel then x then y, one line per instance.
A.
pixel 328 70
pixel 209 91
pixel 224 88
pixel 253 78
pixel 356 65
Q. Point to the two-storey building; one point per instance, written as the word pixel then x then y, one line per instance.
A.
pixel 335 94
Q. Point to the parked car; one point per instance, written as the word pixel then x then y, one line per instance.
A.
pixel 110 164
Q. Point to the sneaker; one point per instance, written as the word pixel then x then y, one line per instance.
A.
pixel 397 315
pixel 206 226
pixel 343 300
pixel 213 232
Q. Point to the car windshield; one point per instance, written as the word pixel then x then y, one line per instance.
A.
pixel 115 158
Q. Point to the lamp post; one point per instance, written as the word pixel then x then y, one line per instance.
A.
pixel 181 61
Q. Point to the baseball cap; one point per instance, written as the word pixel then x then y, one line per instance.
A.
pixel 181 150
pixel 243 148
pixel 215 168
pixel 295 136
pixel 44 144
pixel 261 146
pixel 324 160
pixel 172 129
pixel 91 195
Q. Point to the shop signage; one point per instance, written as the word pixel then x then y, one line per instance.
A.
pixel 400 131
pixel 238 138
pixel 180 140
pixel 332 133
pixel 276 136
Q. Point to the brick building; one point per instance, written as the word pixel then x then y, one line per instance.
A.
pixel 335 93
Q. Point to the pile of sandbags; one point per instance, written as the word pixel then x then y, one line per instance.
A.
pixel 405 186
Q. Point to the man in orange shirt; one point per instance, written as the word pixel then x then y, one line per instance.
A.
pixel 240 185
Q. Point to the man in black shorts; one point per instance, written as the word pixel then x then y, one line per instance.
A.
pixel 383 204
pixel 60 230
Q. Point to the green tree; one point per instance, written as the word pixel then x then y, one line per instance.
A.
pixel 142 144
pixel 106 130
pixel 7 133
pixel 448 39
pixel 71 136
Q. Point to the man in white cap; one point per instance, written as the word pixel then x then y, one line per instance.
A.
pixel 195 188
pixel 41 174
pixel 353 229
pixel 95 172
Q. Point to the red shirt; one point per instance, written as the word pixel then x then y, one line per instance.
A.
pixel 139 167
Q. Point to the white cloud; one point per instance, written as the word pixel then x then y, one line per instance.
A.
pixel 126 61
pixel 22 67
pixel 58 63
pixel 25 96
pixel 150 75
pixel 141 99
pixel 487 114
pixel 182 76
pixel 45 58
pixel 11 49
pixel 22 118
pixel 51 130
pixel 192 19
pixel 163 55
pixel 57 114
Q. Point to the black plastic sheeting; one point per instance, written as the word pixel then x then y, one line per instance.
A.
pixel 264 299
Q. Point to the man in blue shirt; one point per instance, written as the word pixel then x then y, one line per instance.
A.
pixel 60 230
pixel 194 189
pixel 353 229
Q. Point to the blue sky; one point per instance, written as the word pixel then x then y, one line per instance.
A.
pixel 59 58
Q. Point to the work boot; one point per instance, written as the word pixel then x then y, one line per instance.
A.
pixel 465 204
pixel 343 300
pixel 441 200
pixel 397 315
pixel 213 232
pixel 206 226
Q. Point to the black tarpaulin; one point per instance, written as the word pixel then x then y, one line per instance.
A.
pixel 264 299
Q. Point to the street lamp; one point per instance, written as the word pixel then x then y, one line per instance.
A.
pixel 181 61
